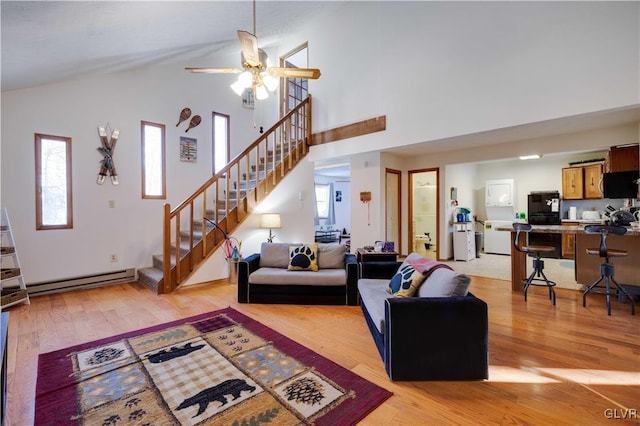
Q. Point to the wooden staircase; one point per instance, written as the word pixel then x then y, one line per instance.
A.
pixel 227 199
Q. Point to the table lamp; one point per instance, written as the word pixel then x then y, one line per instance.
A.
pixel 271 221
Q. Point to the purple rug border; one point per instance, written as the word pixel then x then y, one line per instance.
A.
pixel 370 395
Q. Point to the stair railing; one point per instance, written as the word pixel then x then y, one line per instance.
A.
pixel 230 196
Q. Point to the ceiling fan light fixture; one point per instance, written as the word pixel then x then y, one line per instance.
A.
pixel 261 93
pixel 238 88
pixel 246 79
pixel 269 81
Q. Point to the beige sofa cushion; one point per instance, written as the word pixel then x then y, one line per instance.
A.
pixel 331 256
pixel 444 282
pixel 281 276
pixel 275 255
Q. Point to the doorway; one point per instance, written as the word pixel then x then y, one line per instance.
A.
pixel 393 210
pixel 424 211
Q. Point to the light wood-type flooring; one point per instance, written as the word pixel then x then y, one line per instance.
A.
pixel 548 365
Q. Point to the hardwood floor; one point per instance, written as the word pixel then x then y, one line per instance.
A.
pixel 548 365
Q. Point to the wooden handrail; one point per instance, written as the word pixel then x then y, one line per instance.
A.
pixel 262 158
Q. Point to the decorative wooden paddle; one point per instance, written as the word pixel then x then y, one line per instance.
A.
pixel 184 114
pixel 194 122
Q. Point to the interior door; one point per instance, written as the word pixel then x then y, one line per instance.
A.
pixel 424 211
pixel 393 209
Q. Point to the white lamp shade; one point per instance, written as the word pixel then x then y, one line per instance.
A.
pixel 269 81
pixel 270 220
pixel 261 93
pixel 238 87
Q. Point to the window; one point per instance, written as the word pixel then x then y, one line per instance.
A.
pixel 54 209
pixel 322 200
pixel 153 161
pixel 221 141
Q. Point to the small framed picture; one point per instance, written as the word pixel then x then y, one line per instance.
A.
pixel 338 196
pixel 248 101
pixel 188 149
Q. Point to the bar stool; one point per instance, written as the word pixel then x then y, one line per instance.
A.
pixel 607 270
pixel 538 263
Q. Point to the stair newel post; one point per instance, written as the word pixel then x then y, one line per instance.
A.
pixel 227 201
pixel 166 251
pixel 191 236
pixel 178 251
pixel 216 203
pixel 307 111
pixel 291 140
pixel 238 176
pixel 247 175
pixel 204 223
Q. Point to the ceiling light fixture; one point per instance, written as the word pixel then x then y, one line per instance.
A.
pixel 261 82
pixel 529 157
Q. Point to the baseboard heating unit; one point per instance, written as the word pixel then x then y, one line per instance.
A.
pixel 83 282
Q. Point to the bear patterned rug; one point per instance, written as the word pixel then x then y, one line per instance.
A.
pixel 216 368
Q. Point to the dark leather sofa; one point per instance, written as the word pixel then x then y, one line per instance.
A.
pixel 292 287
pixel 428 338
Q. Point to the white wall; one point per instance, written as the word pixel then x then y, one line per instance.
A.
pixel 443 69
pixel 367 223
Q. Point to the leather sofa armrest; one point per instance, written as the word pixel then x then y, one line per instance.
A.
pixel 351 263
pixel 379 270
pixel 245 267
pixel 440 338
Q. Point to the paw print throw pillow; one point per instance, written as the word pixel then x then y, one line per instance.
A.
pixel 303 257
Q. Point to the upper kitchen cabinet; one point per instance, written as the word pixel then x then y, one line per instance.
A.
pixel 593 181
pixel 624 158
pixel 582 182
pixel 572 183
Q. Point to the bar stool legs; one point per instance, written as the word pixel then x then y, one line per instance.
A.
pixel 606 273
pixel 538 271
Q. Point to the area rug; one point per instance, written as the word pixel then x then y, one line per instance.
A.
pixel 221 368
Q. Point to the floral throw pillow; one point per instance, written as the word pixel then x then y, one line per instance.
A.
pixel 303 257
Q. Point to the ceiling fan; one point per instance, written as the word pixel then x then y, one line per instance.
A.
pixel 254 72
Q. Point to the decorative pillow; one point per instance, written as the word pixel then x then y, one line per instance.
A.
pixel 303 257
pixel 444 282
pixel 406 281
pixel 412 273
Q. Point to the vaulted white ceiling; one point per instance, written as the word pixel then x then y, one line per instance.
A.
pixel 51 41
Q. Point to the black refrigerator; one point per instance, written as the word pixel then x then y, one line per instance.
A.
pixel 543 208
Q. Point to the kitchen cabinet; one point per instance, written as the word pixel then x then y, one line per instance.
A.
pixel 582 182
pixel 624 158
pixel 572 183
pixel 568 242
pixel 592 181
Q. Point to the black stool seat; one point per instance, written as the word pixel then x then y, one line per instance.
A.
pixel 537 277
pixel 607 271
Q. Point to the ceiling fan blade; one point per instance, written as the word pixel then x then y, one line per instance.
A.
pixel 249 45
pixel 215 70
pixel 312 73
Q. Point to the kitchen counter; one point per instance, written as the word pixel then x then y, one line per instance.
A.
pixel 587 267
pixel 571 229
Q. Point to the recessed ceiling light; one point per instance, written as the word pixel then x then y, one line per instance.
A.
pixel 529 157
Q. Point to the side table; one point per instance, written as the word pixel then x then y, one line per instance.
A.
pixel 363 255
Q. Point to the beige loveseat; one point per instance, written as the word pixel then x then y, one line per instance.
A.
pixel 265 277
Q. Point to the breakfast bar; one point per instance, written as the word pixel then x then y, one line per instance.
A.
pixel 587 267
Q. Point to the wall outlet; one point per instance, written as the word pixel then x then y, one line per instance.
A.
pixel 112 204
pixel 113 258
